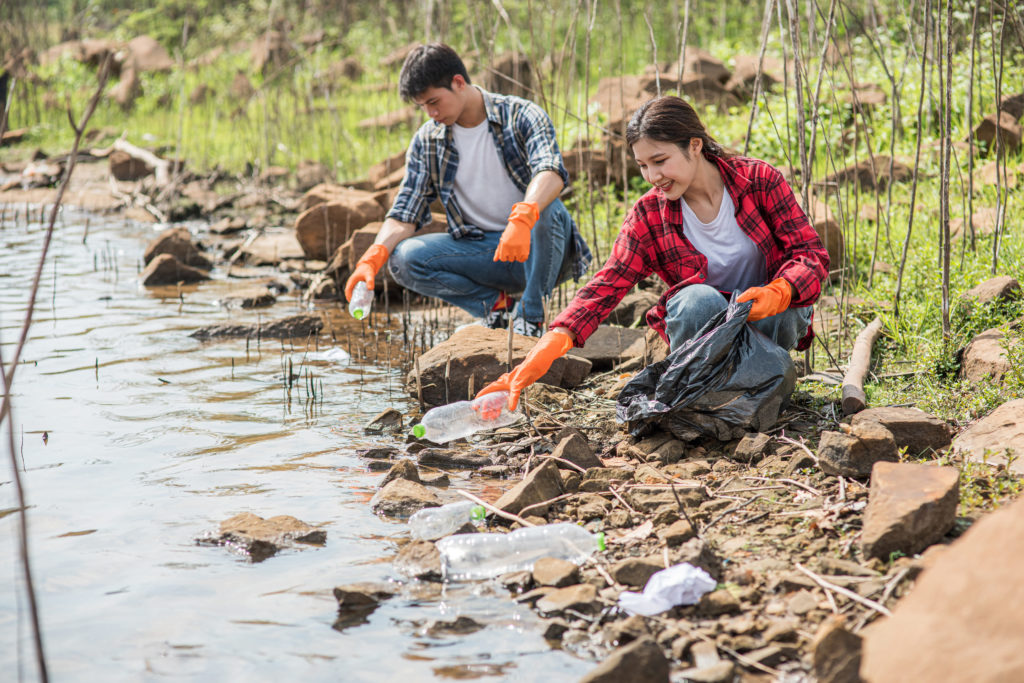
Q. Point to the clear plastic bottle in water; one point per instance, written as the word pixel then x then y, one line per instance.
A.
pixel 463 418
pixel 362 301
pixel 431 523
pixel 481 556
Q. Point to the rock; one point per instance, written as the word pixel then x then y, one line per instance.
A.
pixel 744 73
pixel 699 554
pixel 677 534
pixel 511 74
pixel 580 598
pixel 910 507
pixel 304 325
pixel 911 428
pixel 477 355
pixel 669 452
pixel 641 660
pixel 460 626
pixel 633 307
pixel 626 630
pixel 720 672
pixel 871 174
pixel 836 653
pixel 718 602
pixel 355 595
pixel 401 498
pixel 310 173
pixel 983 221
pixel 323 228
pixel 403 469
pixel 262 538
pixel 648 500
pixel 165 269
pixel 390 418
pixel 801 602
pixel 635 571
pixel 853 454
pixel 271 248
pixel 419 560
pixel 985 357
pixel 125 167
pixel 783 630
pixel 127 89
pixel 838 566
pixel 1001 288
pixel 992 437
pixel 439 457
pixel 576 450
pixel 552 571
pixel 1005 127
pixel 384 168
pixel 178 243
pixel 149 55
pixel 751 447
pixel 962 619
pixel 249 297
pixel 541 484
pixel 608 346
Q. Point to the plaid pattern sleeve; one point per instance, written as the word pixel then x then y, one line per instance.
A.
pixel 418 190
pixel 630 261
pixel 535 134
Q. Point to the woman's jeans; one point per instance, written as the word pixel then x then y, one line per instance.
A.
pixel 464 273
pixel 692 306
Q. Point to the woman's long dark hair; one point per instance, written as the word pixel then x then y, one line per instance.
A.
pixel 672 119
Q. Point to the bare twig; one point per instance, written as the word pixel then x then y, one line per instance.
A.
pixel 498 511
pixel 881 609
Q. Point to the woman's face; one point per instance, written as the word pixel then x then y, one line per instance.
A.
pixel 664 165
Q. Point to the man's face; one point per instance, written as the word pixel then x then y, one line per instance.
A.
pixel 443 105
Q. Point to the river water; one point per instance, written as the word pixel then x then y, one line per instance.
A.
pixel 135 439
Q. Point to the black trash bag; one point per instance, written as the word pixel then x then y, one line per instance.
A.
pixel 728 380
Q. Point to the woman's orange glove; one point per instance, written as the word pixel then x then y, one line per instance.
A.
pixel 366 268
pixel 769 300
pixel 552 346
pixel 515 240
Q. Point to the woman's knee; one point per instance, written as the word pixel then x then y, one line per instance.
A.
pixel 691 298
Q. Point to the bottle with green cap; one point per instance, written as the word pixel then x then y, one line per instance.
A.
pixel 463 418
pixel 431 523
pixel 482 556
pixel 362 301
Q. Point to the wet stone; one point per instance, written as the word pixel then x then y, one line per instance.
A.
pixel 626 630
pixel 641 660
pixel 401 498
pixel 554 629
pixel 250 297
pixel 531 597
pixel 303 325
pixel 262 538
pixel 439 480
pixel 541 484
pixel 359 595
pixel 439 457
pixel 382 453
pixel 165 269
pixel 459 626
pixel 575 449
pixel 517 582
pixel 580 598
pixel 389 419
pixel 552 571
pixel 403 469
pixel 419 560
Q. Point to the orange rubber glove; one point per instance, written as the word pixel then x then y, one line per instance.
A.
pixel 552 346
pixel 769 300
pixel 515 240
pixel 366 268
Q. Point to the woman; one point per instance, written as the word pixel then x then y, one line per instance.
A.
pixel 712 224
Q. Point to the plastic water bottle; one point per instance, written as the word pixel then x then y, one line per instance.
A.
pixel 481 556
pixel 362 301
pixel 463 418
pixel 431 523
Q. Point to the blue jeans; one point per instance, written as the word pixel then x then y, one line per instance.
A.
pixel 692 306
pixel 464 273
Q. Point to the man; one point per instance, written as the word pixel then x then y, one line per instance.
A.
pixel 493 162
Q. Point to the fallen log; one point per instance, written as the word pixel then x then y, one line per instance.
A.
pixel 854 399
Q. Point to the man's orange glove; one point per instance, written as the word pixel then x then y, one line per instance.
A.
pixel 769 300
pixel 515 240
pixel 366 268
pixel 552 346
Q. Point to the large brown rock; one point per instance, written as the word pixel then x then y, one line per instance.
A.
pixel 985 357
pixel 633 307
pixel 541 484
pixel 419 560
pixel 262 538
pixel 962 621
pixel 271 247
pixel 635 571
pixel 992 437
pixel 579 598
pixel 618 97
pixel 125 167
pixel 609 346
pixel 836 653
pixel 640 660
pixel 511 74
pixel 1005 127
pixel 165 269
pixel 178 243
pixel 384 168
pixel 401 497
pixel 872 174
pixel 999 288
pixel 910 507
pixel 575 449
pixel 911 428
pixel 323 228
pixel 127 89
pixel 477 355
pixel 304 325
pixel 744 73
pixel 854 454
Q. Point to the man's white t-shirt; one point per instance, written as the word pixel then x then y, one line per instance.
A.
pixel 734 261
pixel 485 191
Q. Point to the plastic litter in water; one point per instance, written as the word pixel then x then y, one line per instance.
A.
pixel 682 584
pixel 463 418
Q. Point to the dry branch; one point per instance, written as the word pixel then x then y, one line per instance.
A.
pixel 854 399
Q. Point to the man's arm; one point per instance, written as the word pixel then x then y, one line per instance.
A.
pixel 392 232
pixel 545 188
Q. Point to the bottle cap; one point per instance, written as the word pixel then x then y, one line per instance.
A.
pixel 418 431
pixel 600 541
pixel 477 513
pixel 357 314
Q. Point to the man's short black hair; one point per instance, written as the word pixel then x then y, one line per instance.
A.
pixel 429 66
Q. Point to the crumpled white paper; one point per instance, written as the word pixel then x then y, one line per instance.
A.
pixel 682 584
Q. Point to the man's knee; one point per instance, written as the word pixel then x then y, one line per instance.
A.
pixel 402 262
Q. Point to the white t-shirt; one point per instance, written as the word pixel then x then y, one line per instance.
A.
pixel 485 191
pixel 734 261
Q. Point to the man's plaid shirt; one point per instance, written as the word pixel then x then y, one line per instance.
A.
pixel 651 241
pixel 524 135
